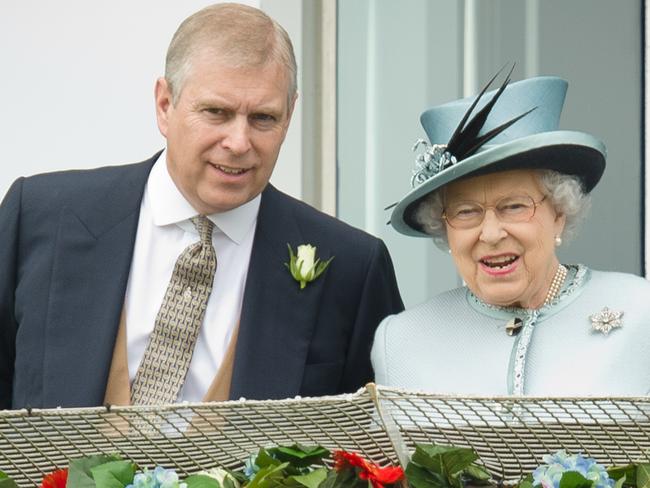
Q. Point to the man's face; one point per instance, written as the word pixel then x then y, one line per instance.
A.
pixel 224 132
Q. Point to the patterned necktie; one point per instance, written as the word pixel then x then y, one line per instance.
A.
pixel 162 372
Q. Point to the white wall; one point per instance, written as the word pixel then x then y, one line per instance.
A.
pixel 77 83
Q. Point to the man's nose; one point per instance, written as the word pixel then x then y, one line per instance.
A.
pixel 237 137
pixel 492 230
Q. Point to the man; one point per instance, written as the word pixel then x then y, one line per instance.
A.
pixel 115 287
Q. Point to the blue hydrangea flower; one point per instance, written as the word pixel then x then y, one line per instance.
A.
pixel 250 468
pixel 549 475
pixel 158 478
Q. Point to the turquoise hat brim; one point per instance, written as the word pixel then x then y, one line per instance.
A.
pixel 568 152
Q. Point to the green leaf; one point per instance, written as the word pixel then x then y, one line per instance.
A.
pixel 573 479
pixel 265 458
pixel 620 482
pixel 527 482
pixel 313 479
pixel 420 477
pixel 6 481
pixel 79 472
pixel 476 473
pixel 203 481
pixel 342 479
pixel 114 474
pixel 443 460
pixel 642 475
pixel 298 455
pixel 617 472
pixel 268 476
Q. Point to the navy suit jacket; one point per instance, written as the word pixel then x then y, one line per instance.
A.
pixel 66 243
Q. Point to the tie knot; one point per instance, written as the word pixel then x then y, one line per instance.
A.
pixel 204 227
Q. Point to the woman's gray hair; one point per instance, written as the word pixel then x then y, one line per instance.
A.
pixel 565 193
pixel 237 34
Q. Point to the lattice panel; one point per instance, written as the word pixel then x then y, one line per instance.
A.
pixel 510 434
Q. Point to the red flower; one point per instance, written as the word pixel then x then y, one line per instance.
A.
pixel 378 477
pixel 56 479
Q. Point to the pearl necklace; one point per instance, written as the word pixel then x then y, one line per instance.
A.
pixel 556 284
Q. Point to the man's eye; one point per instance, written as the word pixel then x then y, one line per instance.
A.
pixel 263 118
pixel 214 111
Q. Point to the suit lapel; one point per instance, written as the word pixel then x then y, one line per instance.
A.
pixel 90 272
pixel 277 317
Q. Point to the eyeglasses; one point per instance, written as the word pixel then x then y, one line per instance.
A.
pixel 510 209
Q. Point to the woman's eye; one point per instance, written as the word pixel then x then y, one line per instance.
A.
pixel 467 212
pixel 514 207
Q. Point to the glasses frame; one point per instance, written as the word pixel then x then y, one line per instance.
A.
pixel 493 207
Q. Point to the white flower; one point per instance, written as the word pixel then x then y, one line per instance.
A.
pixel 304 266
pixel 305 262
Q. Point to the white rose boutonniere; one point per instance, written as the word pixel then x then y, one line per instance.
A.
pixel 303 264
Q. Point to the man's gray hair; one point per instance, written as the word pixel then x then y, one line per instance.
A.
pixel 236 34
pixel 565 193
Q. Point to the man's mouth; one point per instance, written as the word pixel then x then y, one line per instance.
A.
pixel 499 262
pixel 230 171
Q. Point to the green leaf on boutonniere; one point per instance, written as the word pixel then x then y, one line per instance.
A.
pixel 80 470
pixel 303 264
pixel 573 479
pixel 6 481
pixel 114 474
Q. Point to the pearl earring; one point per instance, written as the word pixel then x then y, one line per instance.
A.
pixel 558 241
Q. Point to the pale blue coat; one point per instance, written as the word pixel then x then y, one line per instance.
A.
pixel 455 344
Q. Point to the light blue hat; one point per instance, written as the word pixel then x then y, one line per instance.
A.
pixel 520 121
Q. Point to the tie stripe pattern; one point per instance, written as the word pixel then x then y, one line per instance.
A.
pixel 167 357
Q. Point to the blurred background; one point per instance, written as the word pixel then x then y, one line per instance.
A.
pixel 78 82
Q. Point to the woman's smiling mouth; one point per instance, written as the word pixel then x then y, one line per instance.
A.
pixel 497 265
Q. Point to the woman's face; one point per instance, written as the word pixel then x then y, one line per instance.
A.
pixel 505 263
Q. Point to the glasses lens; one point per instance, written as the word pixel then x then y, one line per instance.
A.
pixel 464 215
pixel 517 208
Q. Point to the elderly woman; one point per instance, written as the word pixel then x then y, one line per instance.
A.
pixel 500 187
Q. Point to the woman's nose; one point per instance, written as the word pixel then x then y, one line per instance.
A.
pixel 492 230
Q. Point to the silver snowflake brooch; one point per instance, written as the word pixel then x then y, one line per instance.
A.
pixel 606 320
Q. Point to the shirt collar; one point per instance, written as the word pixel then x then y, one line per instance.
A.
pixel 169 206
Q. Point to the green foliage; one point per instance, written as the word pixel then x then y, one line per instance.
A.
pixel 113 474
pixel 343 479
pixel 80 470
pixel 573 479
pixel 434 466
pixel 6 481
pixel 642 476
pixel 203 481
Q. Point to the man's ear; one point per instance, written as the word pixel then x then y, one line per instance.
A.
pixel 164 104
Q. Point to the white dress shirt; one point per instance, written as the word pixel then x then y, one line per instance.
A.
pixel 164 231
